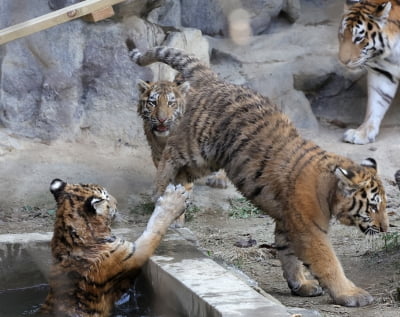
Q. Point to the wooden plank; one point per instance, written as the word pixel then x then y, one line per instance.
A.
pixel 54 18
pixel 99 15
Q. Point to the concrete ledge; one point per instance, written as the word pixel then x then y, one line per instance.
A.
pixel 194 284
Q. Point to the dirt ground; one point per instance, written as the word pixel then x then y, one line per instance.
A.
pixel 218 218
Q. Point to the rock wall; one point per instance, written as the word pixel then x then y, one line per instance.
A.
pixel 75 82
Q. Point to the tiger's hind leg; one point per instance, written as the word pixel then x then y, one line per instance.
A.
pixel 293 270
pixel 217 179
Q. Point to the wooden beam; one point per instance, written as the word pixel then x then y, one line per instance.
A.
pixel 99 15
pixel 54 18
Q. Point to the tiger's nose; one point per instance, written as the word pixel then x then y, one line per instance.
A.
pixel 162 119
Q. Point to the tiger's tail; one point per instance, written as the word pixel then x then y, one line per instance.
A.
pixel 397 178
pixel 191 68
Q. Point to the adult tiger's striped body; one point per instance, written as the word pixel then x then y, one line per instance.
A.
pixel 369 36
pixel 91 267
pixel 293 180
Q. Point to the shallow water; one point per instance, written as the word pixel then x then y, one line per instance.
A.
pixel 139 301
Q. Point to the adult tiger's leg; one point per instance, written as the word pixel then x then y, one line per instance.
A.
pixel 381 91
pixel 293 270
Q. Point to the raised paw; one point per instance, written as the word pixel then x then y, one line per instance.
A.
pixel 309 288
pixel 360 136
pixel 217 180
pixel 174 200
pixel 357 297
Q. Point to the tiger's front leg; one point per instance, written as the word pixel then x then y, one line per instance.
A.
pixel 293 270
pixel 168 208
pixel 313 248
pixel 381 91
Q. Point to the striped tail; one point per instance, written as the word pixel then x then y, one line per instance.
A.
pixel 397 178
pixel 191 68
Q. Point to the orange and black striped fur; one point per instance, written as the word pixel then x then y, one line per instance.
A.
pixel 369 34
pixel 91 267
pixel 161 106
pixel 293 180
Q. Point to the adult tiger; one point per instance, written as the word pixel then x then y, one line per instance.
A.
pixel 369 37
pixel 91 267
pixel 161 106
pixel 293 180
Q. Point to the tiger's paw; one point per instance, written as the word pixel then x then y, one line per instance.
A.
pixel 357 297
pixel 171 204
pixel 217 180
pixel 309 288
pixel 359 136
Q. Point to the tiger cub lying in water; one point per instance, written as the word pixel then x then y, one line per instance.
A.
pixel 161 106
pixel 91 267
pixel 291 179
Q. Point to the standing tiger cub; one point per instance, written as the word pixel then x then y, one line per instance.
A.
pixel 91 267
pixel 161 106
pixel 369 37
pixel 291 179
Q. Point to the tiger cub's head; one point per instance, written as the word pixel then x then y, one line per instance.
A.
pixel 161 105
pixel 362 37
pixel 84 211
pixel 361 198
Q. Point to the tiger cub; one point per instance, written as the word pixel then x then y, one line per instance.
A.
pixel 291 179
pixel 91 267
pixel 369 37
pixel 161 106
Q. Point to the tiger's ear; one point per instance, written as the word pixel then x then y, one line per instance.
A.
pixel 57 187
pixel 350 3
pixel 382 13
pixel 371 164
pixel 184 87
pixel 345 180
pixel 96 205
pixel 142 85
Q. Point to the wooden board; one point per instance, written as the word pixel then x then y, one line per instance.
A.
pixel 99 15
pixel 54 18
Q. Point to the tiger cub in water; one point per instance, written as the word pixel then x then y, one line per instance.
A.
pixel 369 37
pixel 161 106
pixel 91 267
pixel 293 180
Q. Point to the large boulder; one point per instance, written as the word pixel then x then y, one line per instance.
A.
pixel 75 81
pixel 213 17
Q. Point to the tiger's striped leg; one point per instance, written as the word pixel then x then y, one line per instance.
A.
pixel 292 268
pixel 168 207
pixel 381 91
pixel 315 251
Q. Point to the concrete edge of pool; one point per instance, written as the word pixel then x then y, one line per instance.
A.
pixel 193 283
